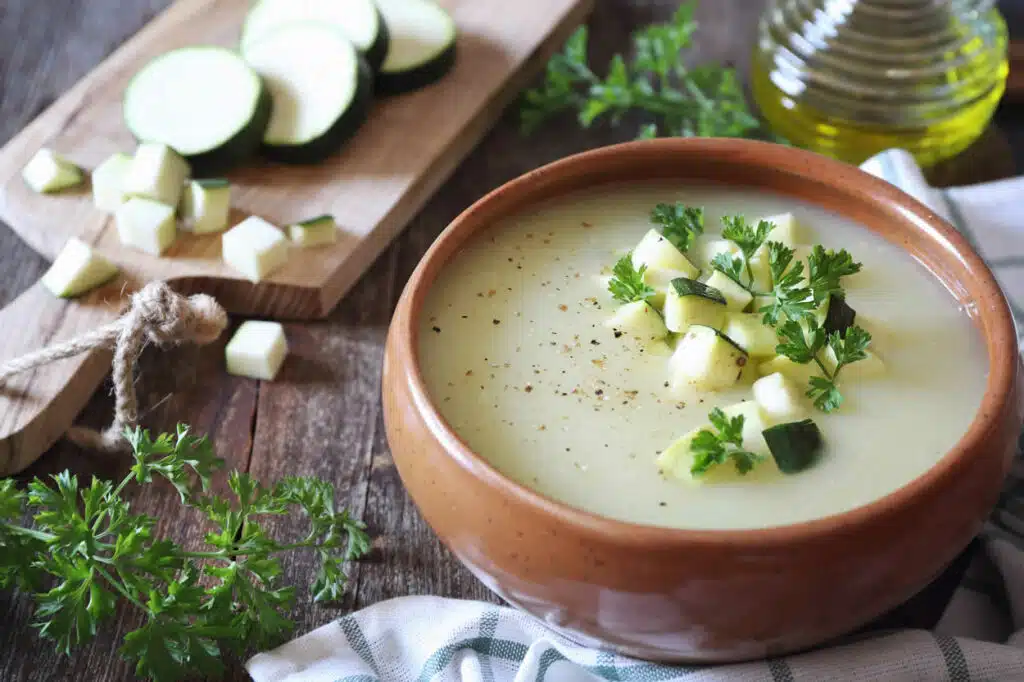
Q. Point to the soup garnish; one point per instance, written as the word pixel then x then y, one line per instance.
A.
pixel 756 302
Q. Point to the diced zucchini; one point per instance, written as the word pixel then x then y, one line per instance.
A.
pixel 794 446
pixel 761 270
pixel 77 269
pixel 787 229
pixel 255 248
pixel 639 320
pixel 761 302
pixel 780 398
pixel 314 232
pixel 205 205
pixel 871 366
pixel 707 360
pixel 750 333
pixel 146 225
pixel 754 422
pixel 713 247
pixel 108 182
pixel 692 302
pixel 677 459
pixel 736 297
pixel 661 281
pixel 799 373
pixel 257 350
pixel 839 316
pixel 157 173
pixel 48 171
pixel 658 253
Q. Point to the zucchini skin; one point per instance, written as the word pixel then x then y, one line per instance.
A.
pixel 244 145
pixel 343 129
pixel 376 53
pixel 418 77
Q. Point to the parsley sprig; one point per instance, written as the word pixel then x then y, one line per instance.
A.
pixel 678 223
pixel 86 551
pixel 721 444
pixel 748 238
pixel 627 283
pixel 673 99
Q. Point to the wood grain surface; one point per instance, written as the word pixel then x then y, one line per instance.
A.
pixel 322 416
pixel 373 187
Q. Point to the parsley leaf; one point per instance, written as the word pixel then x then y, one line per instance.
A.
pixel 825 269
pixel 627 283
pixel 796 344
pixel 721 444
pixel 680 224
pixel 730 266
pixel 791 299
pixel 706 101
pixel 748 239
pixel 95 553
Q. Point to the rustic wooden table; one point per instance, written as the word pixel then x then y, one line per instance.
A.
pixel 322 416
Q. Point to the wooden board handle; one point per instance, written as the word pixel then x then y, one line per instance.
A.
pixel 38 406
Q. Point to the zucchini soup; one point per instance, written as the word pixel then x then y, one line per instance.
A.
pixel 700 358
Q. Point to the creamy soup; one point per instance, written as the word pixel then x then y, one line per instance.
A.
pixel 519 358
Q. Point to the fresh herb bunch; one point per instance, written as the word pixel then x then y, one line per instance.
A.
pixel 705 101
pixel 721 444
pixel 85 551
pixel 795 300
pixel 679 224
pixel 627 283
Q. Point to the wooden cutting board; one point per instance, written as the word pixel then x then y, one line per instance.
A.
pixel 373 187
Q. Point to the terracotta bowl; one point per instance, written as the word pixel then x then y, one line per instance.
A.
pixel 708 596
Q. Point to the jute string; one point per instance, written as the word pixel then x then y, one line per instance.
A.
pixel 155 314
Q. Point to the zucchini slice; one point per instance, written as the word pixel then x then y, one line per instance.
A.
pixel 358 20
pixel 794 445
pixel 421 45
pixel 736 297
pixel 320 86
pixel 203 102
pixel 839 316
pixel 750 333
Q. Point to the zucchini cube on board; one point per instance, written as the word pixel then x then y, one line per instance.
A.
pixel 108 182
pixel 146 225
pixel 314 232
pixel 639 320
pixel 707 360
pixel 257 350
pixel 157 172
pixel 77 269
pixel 658 253
pixel 736 297
pixel 255 248
pixel 47 171
pixel 751 334
pixel 780 398
pixel 205 206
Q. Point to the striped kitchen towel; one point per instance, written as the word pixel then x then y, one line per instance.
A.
pixel 980 636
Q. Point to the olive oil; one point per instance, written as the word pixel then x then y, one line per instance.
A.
pixel 849 79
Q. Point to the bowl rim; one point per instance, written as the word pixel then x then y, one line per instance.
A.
pixel 998 336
